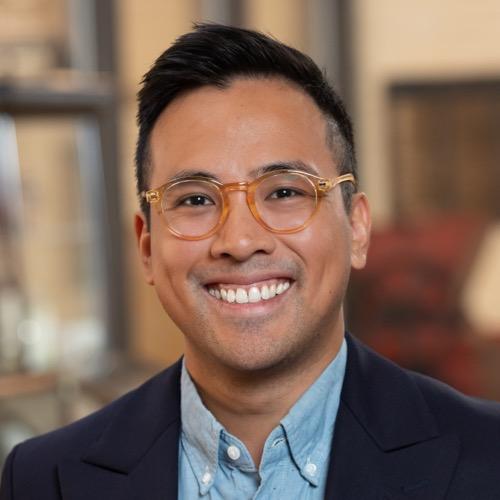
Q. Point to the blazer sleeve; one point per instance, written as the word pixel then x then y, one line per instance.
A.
pixel 6 486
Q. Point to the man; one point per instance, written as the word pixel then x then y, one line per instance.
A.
pixel 250 222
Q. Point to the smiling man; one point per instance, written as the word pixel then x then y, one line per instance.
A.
pixel 258 294
pixel 250 223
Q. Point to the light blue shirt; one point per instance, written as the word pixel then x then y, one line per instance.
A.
pixel 215 465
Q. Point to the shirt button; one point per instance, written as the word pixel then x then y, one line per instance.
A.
pixel 311 469
pixel 233 452
pixel 207 477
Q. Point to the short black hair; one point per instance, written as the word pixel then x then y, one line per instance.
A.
pixel 214 55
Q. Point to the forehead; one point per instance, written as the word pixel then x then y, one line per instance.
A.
pixel 236 130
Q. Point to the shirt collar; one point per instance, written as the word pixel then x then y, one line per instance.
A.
pixel 201 431
pixel 308 427
pixel 310 423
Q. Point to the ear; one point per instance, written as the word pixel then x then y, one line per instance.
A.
pixel 360 220
pixel 144 245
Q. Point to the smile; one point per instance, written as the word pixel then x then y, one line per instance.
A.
pixel 252 294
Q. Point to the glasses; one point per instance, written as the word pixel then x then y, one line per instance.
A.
pixel 282 201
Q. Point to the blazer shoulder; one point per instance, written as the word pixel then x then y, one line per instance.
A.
pixel 476 423
pixel 34 461
pixel 454 406
pixel 375 384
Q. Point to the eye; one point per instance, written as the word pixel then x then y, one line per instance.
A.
pixel 285 192
pixel 195 200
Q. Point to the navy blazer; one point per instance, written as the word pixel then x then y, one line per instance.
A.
pixel 399 435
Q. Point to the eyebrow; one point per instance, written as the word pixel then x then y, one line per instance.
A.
pixel 257 172
pixel 284 165
pixel 189 173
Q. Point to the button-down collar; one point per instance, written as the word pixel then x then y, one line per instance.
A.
pixel 305 432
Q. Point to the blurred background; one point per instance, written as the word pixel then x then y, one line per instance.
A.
pixel 78 327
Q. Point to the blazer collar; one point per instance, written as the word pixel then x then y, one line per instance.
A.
pixel 137 454
pixel 385 400
pixel 387 444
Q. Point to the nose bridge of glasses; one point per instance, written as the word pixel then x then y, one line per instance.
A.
pixel 235 186
pixel 242 186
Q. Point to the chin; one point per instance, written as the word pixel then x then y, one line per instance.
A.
pixel 259 360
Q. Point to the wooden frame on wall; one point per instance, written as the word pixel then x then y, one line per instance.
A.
pixel 444 147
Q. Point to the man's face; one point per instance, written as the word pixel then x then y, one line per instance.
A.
pixel 231 134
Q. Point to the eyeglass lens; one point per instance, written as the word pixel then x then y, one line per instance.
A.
pixel 285 201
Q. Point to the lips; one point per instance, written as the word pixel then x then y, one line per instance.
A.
pixel 249 294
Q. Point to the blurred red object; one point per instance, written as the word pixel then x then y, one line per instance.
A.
pixel 405 303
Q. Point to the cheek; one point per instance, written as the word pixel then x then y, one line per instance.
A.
pixel 324 247
pixel 172 261
pixel 325 253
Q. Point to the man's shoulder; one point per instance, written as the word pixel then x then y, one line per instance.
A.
pixel 406 429
pixel 75 437
pixel 35 460
pixel 451 409
pixel 454 408
pixel 475 423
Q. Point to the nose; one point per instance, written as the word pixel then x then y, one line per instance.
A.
pixel 241 236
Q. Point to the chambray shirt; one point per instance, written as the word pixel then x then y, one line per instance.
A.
pixel 215 465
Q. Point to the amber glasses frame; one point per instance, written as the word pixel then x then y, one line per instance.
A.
pixel 321 185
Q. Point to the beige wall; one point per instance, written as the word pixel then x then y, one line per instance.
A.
pixel 402 40
pixel 284 19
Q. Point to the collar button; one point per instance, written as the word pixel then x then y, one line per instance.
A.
pixel 311 469
pixel 206 478
pixel 233 452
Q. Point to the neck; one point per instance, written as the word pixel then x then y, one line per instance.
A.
pixel 251 404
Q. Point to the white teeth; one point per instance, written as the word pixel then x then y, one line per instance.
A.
pixel 253 294
pixel 241 296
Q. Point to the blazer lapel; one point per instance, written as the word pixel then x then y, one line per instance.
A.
pixel 137 454
pixel 386 443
